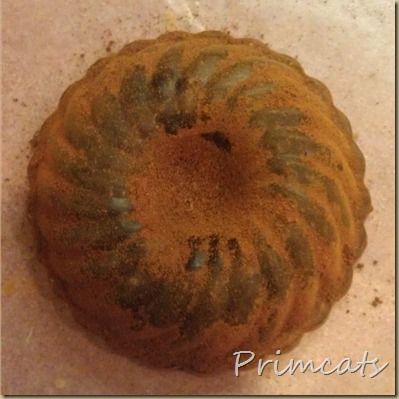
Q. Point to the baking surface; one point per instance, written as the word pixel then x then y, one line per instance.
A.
pixel 47 45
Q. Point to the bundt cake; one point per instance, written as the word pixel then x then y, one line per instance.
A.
pixel 197 195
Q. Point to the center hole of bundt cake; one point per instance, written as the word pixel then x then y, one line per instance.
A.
pixel 197 183
pixel 202 165
pixel 198 170
pixel 219 139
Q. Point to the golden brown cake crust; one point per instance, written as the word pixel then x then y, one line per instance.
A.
pixel 198 194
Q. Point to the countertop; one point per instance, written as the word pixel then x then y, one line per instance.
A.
pixel 47 45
